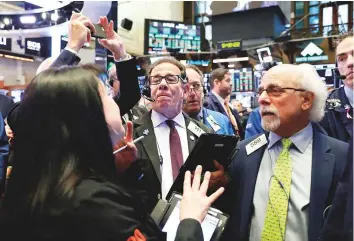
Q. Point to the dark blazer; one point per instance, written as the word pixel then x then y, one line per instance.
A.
pixel 144 176
pixel 99 210
pixel 339 223
pixel 5 105
pixel 126 73
pixel 335 121
pixel 212 103
pixel 135 113
pixel 328 161
pixel 4 154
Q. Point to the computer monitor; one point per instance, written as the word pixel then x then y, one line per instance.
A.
pixel 242 80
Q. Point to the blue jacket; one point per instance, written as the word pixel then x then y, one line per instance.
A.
pixel 212 103
pixel 336 122
pixel 222 121
pixel 254 126
pixel 328 161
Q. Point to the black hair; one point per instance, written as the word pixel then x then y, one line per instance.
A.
pixel 61 138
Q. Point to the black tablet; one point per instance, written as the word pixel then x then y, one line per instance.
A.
pixel 209 147
pixel 212 226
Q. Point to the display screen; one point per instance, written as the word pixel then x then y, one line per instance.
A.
pixel 163 37
pixel 5 43
pixel 41 47
pixel 209 225
pixel 242 80
pixel 326 72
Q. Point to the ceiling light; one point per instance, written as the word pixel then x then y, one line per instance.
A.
pixel 230 60
pixel 54 16
pixel 6 21
pixel 2 25
pixel 30 19
pixel 44 15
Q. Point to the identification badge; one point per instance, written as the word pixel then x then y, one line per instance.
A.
pixel 196 130
pixel 256 144
pixel 214 124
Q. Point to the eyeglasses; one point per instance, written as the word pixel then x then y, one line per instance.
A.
pixel 170 79
pixel 274 90
pixel 196 87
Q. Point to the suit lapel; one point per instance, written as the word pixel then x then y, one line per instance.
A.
pixel 250 173
pixel 218 104
pixel 149 141
pixel 321 179
pixel 191 137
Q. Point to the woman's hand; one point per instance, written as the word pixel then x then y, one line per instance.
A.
pixel 195 203
pixel 126 157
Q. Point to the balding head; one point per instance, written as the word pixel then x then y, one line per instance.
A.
pixel 45 64
pixel 345 59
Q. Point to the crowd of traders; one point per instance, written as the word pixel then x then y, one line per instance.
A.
pixel 291 178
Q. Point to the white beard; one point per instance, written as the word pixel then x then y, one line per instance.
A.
pixel 271 125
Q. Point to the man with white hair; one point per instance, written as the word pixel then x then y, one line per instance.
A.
pixel 283 181
pixel 338 121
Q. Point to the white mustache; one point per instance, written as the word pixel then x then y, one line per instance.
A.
pixel 267 109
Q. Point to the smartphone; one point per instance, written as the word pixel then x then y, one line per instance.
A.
pixel 100 33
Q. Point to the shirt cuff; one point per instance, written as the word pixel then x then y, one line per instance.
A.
pixel 72 51
pixel 124 58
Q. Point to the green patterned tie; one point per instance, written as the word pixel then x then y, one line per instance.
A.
pixel 277 208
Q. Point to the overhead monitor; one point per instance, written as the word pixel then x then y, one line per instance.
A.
pixel 221 7
pixel 171 37
pixel 41 47
pixel 242 80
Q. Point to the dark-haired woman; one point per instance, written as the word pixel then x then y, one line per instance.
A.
pixel 64 183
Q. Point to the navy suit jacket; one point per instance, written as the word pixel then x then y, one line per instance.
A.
pixel 328 161
pixel 4 153
pixel 5 105
pixel 212 103
pixel 339 223
pixel 335 122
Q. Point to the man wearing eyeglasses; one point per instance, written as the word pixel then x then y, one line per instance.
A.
pixel 193 104
pixel 338 121
pixel 283 181
pixel 169 135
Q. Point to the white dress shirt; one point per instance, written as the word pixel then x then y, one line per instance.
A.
pixel 162 134
pixel 301 158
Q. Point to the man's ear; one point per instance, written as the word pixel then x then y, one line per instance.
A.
pixel 308 99
pixel 185 88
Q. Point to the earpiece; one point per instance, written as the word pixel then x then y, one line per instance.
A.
pixel 146 91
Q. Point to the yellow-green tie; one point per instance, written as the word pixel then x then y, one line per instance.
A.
pixel 279 193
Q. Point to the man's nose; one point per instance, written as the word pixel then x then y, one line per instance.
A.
pixel 264 99
pixel 163 85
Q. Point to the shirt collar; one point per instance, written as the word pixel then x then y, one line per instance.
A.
pixel 157 119
pixel 220 99
pixel 301 139
pixel 200 114
pixel 349 93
